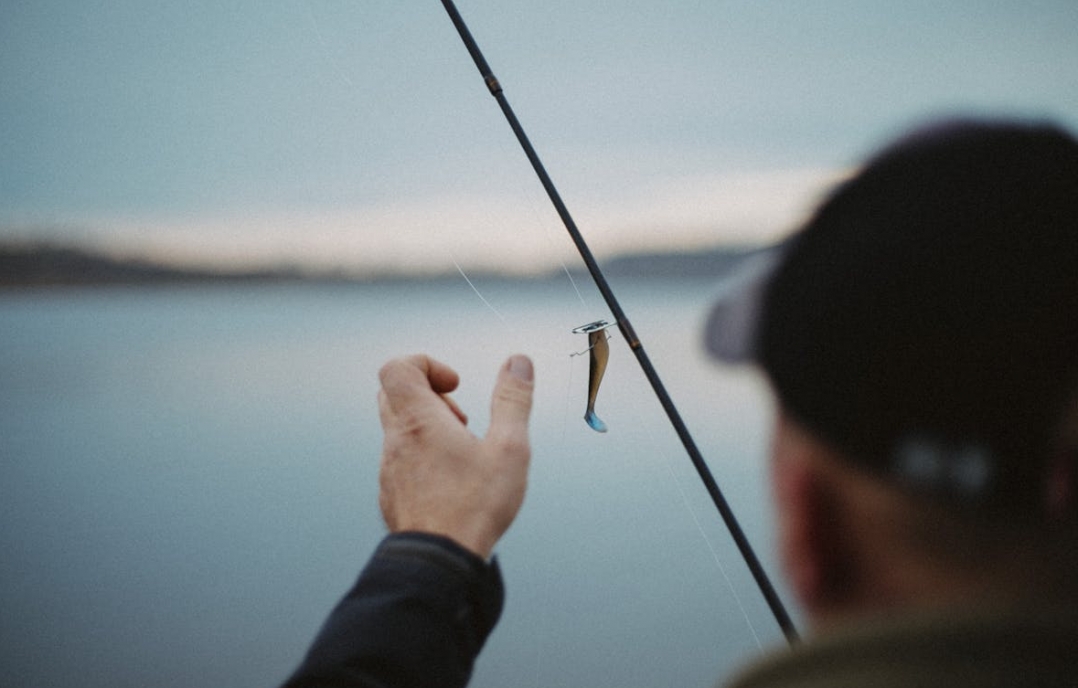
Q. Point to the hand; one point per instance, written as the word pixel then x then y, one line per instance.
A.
pixel 437 477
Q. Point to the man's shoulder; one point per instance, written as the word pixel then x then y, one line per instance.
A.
pixel 948 648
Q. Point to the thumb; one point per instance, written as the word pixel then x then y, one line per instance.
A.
pixel 512 400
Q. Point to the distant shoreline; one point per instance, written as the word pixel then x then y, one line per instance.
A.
pixel 54 265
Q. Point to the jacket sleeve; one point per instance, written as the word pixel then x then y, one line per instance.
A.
pixel 418 616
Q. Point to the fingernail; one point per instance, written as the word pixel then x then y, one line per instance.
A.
pixel 520 367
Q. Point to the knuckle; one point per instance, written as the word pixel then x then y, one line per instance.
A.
pixel 410 424
pixel 516 395
pixel 389 369
pixel 408 431
pixel 512 446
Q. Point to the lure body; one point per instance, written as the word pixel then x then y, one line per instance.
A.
pixel 598 354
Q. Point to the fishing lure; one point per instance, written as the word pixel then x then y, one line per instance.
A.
pixel 599 353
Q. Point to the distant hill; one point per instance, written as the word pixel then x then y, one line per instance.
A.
pixel 710 263
pixel 27 265
pixel 50 265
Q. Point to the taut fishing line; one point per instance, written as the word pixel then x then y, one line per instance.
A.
pixel 707 541
pixel 547 233
pixel 477 292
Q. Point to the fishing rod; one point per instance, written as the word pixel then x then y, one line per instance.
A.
pixel 728 517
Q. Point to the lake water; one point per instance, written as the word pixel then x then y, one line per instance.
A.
pixel 188 480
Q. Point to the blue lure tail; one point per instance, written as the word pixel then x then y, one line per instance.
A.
pixel 594 422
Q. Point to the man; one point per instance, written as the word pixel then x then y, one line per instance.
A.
pixel 921 336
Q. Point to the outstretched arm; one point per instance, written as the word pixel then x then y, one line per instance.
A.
pixel 425 603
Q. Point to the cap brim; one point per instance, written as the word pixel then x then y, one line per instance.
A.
pixel 733 322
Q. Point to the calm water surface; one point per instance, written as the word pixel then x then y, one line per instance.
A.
pixel 188 482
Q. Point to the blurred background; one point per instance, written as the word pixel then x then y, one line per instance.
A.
pixel 217 221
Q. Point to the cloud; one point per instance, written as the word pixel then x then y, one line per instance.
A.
pixel 699 211
pixel 516 232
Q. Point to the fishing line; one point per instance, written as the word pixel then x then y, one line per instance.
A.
pixel 710 546
pixel 668 462
pixel 554 245
pixel 477 292
pixel 536 218
pixel 768 591
pixel 573 282
pixel 565 403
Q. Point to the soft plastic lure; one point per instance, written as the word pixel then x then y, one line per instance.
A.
pixel 599 353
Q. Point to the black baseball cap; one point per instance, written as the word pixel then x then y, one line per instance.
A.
pixel 924 320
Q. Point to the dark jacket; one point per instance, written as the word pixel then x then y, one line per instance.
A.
pixel 417 617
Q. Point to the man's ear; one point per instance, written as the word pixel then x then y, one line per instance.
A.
pixel 1061 486
pixel 1061 481
pixel 812 546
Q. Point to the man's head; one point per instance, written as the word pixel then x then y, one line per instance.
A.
pixel 922 328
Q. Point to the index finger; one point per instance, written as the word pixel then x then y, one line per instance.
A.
pixel 416 378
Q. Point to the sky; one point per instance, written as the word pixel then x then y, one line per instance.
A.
pixel 358 134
